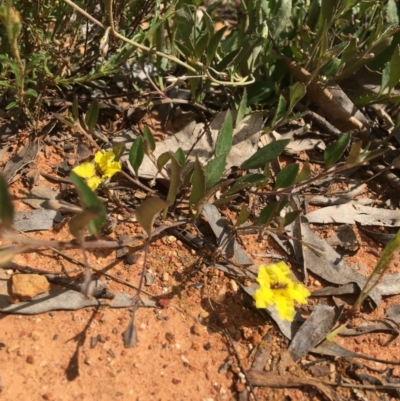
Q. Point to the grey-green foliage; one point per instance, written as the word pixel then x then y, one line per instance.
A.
pixel 330 38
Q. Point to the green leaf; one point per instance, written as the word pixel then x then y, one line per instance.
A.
pixel 175 179
pixel 30 92
pixel 280 17
pixel 227 60
pixel 213 45
pixel 297 92
pixel 6 206
pixel 288 219
pixel 148 136
pixel 394 77
pixel 245 182
pixel 242 216
pixel 328 10
pixel 286 176
pixel 92 115
pixel 201 45
pixel 163 159
pixel 265 155
pixel 350 51
pixel 280 110
pixel 182 49
pixel 148 211
pixel 334 151
pixel 119 149
pixel 214 170
pixel 198 183
pixel 304 173
pixel 269 212
pixel 79 222
pixel 136 154
pixel 242 108
pixel 180 156
pixel 90 202
pixel 184 25
pixel 209 193
pixel 224 140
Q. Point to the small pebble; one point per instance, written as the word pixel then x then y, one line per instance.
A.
pixel 48 396
pixel 207 346
pixel 29 359
pixel 93 342
pixel 35 335
pixel 176 381
pixel 197 329
pixel 233 285
pixel 170 337
pixel 165 276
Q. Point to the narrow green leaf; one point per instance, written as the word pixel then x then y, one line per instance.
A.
pixel 269 212
pixel 350 51
pixel 328 10
pixel 119 149
pixel 227 60
pixel 385 78
pixel 225 135
pixel 286 176
pixel 92 115
pixel 213 45
pixel 147 135
pixel 304 173
pixel 334 151
pixel 209 193
pixel 297 92
pixel 280 110
pixel 198 183
pixel 6 206
pixel 394 77
pixel 214 170
pixel 148 211
pixel 136 154
pixel 242 216
pixel 90 201
pixel 183 50
pixel 245 182
pixel 175 179
pixel 201 45
pixel 265 155
pixel 242 108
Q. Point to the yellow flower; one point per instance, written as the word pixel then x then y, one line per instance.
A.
pixel 104 165
pixel 277 288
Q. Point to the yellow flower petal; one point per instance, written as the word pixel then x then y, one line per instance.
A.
pixel 85 170
pixel 285 307
pixel 94 182
pixel 106 164
pixel 264 297
pixel 277 288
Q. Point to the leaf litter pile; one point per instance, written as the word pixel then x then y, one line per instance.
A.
pixel 193 243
